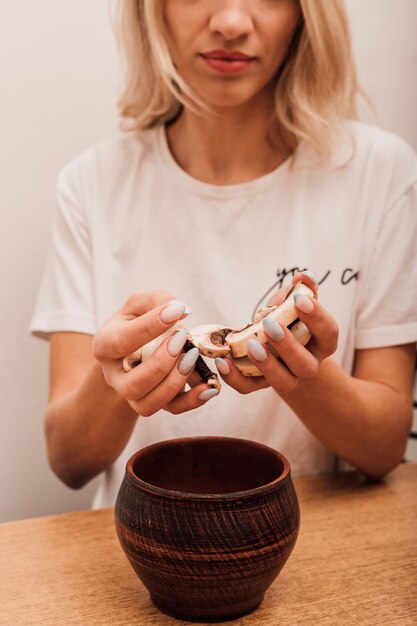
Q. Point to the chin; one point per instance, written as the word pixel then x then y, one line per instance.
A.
pixel 229 98
pixel 235 92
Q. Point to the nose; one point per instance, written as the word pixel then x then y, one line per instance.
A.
pixel 232 19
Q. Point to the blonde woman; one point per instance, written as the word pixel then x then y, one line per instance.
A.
pixel 242 167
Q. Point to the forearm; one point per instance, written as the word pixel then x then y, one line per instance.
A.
pixel 364 422
pixel 87 429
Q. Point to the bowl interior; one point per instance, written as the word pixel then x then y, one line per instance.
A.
pixel 208 465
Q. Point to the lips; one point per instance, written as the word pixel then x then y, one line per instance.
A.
pixel 227 62
pixel 225 55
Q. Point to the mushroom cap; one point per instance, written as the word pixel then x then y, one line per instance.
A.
pixel 210 340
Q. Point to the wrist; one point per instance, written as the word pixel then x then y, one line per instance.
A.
pixel 96 389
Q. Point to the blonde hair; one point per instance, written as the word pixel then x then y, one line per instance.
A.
pixel 316 87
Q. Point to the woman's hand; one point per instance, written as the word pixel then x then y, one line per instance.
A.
pixel 295 362
pixel 159 381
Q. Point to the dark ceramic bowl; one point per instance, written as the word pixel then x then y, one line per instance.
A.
pixel 207 523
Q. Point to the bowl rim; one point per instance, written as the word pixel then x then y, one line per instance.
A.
pixel 280 480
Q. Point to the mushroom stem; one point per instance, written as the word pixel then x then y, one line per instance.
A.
pixel 202 369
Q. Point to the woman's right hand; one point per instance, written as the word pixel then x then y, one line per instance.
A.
pixel 157 383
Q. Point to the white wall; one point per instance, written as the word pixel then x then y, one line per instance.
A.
pixel 385 45
pixel 59 78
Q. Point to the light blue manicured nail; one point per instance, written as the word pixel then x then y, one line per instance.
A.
pixel 310 275
pixel 257 350
pixel 187 361
pixel 303 303
pixel 187 308
pixel 273 329
pixel 207 394
pixel 176 343
pixel 222 366
pixel 172 311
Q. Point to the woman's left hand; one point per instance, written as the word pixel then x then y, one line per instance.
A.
pixel 295 362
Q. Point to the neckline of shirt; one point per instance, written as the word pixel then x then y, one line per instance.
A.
pixel 207 189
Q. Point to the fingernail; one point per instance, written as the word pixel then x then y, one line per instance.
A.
pixel 187 361
pixel 273 329
pixel 207 394
pixel 257 350
pixel 222 366
pixel 310 275
pixel 187 309
pixel 173 311
pixel 303 303
pixel 176 343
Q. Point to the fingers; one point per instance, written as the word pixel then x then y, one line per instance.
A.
pixel 188 400
pixel 156 383
pixel 169 393
pixel 294 362
pixel 232 376
pixel 308 279
pixel 322 326
pixel 283 361
pixel 142 379
pixel 305 277
pixel 279 296
pixel 159 381
pixel 124 332
pixel 195 379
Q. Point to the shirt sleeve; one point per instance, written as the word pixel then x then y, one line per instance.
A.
pixel 387 307
pixel 65 299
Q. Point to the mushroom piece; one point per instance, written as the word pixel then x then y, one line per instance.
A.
pixel 214 340
pixel 210 340
pixel 218 341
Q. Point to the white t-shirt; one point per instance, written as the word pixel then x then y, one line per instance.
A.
pixel 129 218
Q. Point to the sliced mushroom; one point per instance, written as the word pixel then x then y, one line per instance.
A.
pixel 214 340
pixel 210 340
pixel 218 341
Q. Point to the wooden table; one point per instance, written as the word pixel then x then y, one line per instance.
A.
pixel 355 563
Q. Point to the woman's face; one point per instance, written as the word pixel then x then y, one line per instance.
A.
pixel 229 51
